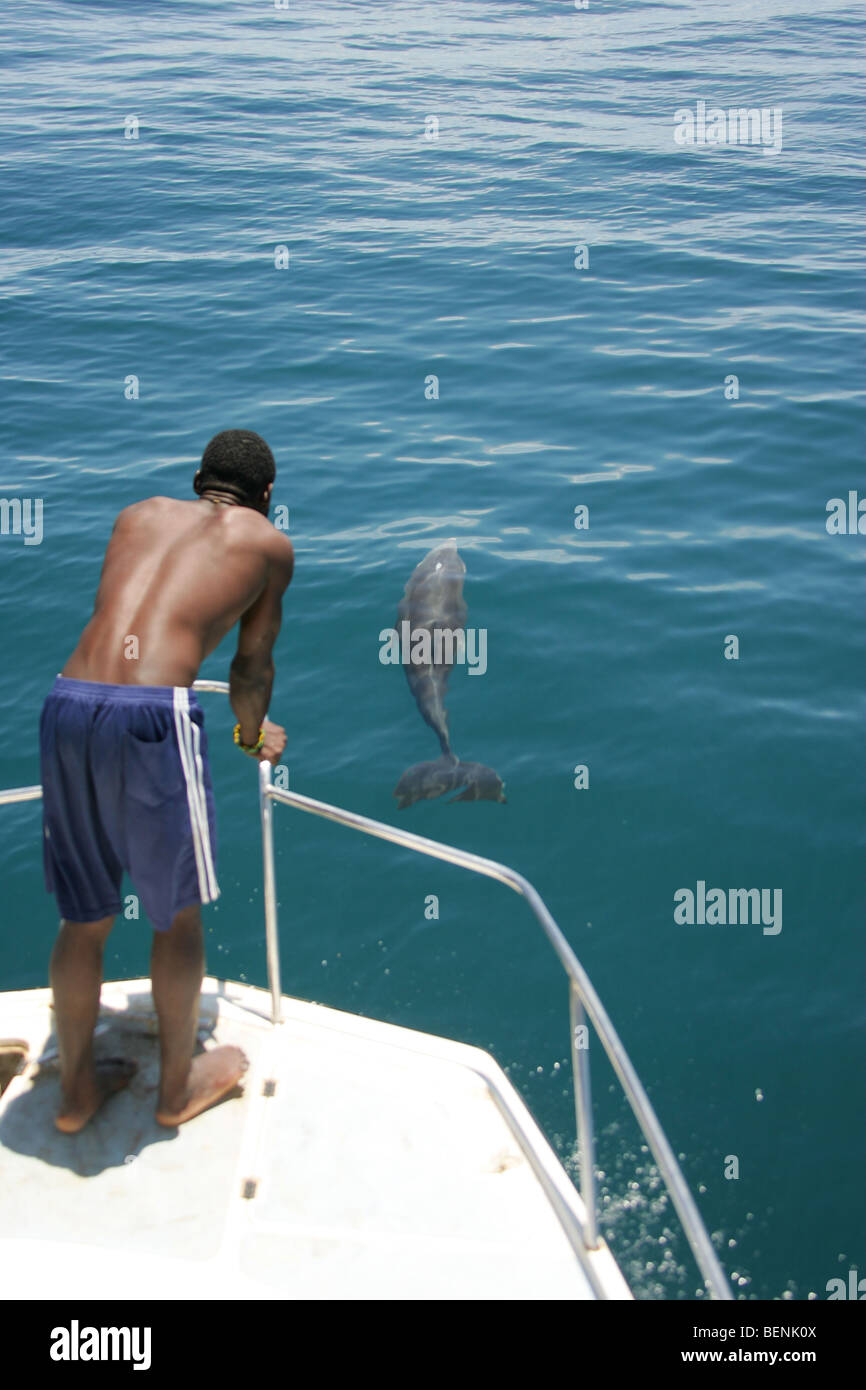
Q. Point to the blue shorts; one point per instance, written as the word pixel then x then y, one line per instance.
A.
pixel 126 785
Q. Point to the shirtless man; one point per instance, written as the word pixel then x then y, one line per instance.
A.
pixel 125 776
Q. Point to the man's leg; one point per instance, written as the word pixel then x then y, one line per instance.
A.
pixel 188 1084
pixel 76 979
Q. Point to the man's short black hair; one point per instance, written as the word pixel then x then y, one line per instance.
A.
pixel 237 461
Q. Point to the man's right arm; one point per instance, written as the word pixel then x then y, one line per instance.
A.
pixel 251 675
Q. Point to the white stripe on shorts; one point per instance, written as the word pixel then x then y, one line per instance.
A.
pixel 189 744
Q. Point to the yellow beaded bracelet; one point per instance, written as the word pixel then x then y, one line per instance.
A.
pixel 252 748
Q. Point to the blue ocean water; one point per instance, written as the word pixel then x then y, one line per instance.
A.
pixel 668 335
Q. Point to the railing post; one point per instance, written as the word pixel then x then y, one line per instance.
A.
pixel 269 878
pixel 583 1112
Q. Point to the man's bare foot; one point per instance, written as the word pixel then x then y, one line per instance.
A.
pixel 13 1055
pixel 212 1076
pixel 110 1074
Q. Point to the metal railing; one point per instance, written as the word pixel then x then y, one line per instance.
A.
pixel 583 1001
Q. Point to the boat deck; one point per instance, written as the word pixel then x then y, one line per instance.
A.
pixel 363 1160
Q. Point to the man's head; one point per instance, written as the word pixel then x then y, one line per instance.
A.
pixel 240 464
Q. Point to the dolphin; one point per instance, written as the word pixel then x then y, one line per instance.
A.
pixel 433 600
pixel 433 604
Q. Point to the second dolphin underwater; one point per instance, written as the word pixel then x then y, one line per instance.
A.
pixel 433 601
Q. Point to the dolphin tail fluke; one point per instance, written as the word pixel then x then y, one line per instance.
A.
pixel 479 783
pixel 425 781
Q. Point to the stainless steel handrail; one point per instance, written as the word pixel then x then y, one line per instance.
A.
pixel 20 794
pixel 582 996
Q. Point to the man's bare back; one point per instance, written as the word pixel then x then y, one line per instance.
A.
pixel 176 578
